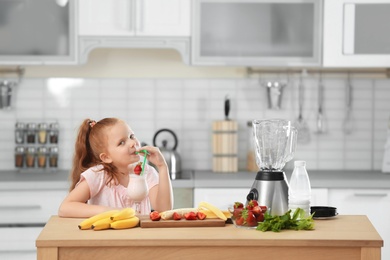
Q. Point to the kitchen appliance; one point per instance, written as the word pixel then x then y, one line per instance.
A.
pixel 171 156
pixel 275 143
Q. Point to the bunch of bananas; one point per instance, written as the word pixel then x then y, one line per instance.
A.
pixel 115 219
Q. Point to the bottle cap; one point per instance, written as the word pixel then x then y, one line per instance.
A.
pixel 299 163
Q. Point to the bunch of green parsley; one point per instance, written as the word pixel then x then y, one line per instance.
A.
pixel 297 221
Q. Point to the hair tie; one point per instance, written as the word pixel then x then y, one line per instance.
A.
pixel 92 123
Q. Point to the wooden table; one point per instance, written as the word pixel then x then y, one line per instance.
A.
pixel 343 237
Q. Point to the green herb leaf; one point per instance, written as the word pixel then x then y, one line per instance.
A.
pixel 297 221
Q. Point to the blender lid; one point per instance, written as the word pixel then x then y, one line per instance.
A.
pixel 270 176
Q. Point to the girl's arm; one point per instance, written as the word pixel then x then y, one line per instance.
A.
pixel 161 195
pixel 75 206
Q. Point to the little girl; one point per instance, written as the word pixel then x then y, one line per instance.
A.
pixel 105 155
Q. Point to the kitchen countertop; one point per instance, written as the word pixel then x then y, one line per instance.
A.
pixel 318 179
pixel 344 237
pixel 35 179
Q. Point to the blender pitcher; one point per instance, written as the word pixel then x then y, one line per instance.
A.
pixel 275 143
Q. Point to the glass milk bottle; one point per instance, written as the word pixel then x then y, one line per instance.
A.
pixel 299 193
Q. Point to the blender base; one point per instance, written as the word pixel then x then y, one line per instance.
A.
pixel 270 189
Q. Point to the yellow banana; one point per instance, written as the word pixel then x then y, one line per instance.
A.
pixel 125 223
pixel 123 214
pixel 102 224
pixel 214 209
pixel 210 214
pixel 87 223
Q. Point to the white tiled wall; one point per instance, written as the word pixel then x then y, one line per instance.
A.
pixel 189 106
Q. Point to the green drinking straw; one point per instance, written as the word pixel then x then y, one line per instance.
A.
pixel 143 165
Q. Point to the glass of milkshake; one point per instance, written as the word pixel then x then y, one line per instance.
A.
pixel 137 190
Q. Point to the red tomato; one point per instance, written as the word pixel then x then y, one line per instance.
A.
pixel 176 216
pixel 155 216
pixel 190 216
pixel 200 215
pixel 138 168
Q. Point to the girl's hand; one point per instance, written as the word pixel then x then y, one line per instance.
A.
pixel 154 155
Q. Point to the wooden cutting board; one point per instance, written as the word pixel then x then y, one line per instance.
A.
pixel 146 222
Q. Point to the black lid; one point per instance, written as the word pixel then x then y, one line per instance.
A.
pixel 270 176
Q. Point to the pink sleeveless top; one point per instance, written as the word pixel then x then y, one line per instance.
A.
pixel 112 195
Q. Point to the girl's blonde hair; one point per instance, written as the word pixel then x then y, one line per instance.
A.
pixel 91 141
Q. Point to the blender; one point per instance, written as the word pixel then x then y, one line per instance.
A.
pixel 275 143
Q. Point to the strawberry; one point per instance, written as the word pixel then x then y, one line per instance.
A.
pixel 190 216
pixel 138 168
pixel 155 216
pixel 176 216
pixel 249 218
pixel 238 205
pixel 200 215
pixel 257 210
pixel 251 204
pixel 237 213
pixel 260 217
pixel 240 221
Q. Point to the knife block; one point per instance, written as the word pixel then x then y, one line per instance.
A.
pixel 225 146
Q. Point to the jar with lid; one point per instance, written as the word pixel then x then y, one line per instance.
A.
pixel 30 157
pixel 19 156
pixel 53 157
pixel 42 133
pixel 19 133
pixel 53 133
pixel 251 158
pixel 42 154
pixel 31 133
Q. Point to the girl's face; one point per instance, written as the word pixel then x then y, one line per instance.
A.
pixel 121 146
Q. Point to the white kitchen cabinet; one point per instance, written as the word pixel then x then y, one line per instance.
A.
pixel 220 197
pixel 371 202
pixel 257 32
pixel 23 213
pixel 225 197
pixel 29 206
pixel 134 24
pixel 134 18
pixel 319 197
pixel 40 32
pixel 356 33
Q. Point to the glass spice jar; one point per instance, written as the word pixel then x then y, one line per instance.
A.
pixel 53 133
pixel 31 133
pixel 42 133
pixel 19 156
pixel 19 133
pixel 53 157
pixel 42 154
pixel 30 157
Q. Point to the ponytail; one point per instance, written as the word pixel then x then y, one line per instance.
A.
pixel 88 147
